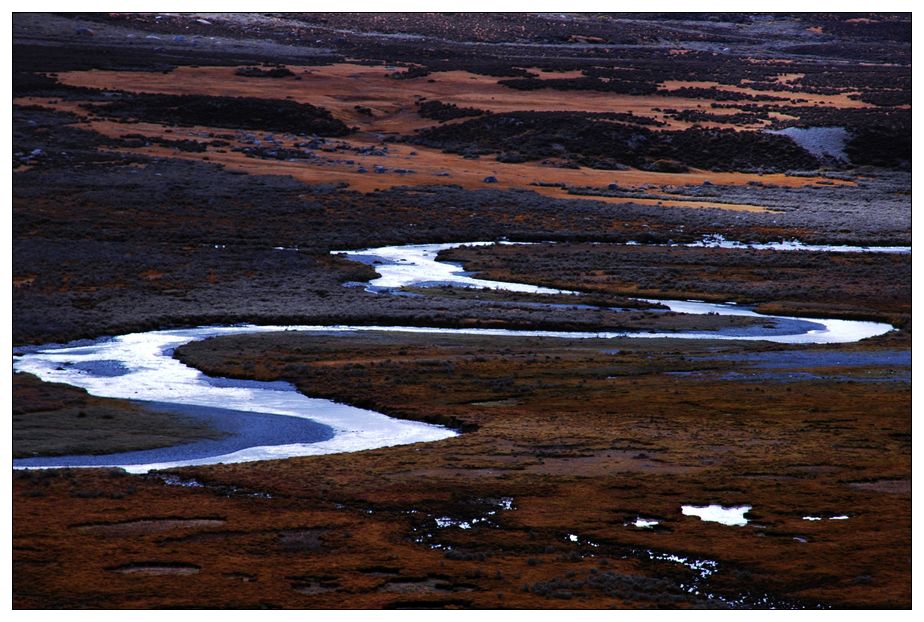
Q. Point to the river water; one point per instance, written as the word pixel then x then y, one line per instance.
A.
pixel 271 420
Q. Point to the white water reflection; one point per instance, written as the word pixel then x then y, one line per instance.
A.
pixel 416 265
pixel 719 241
pixel 152 374
pixel 733 516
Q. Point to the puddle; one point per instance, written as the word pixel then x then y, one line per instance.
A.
pixel 169 479
pixel 175 480
pixel 102 368
pixel 732 516
pixel 644 523
pixel 893 486
pixel 302 540
pixel 157 568
pixel 576 539
pixel 148 526
pixel 719 241
pixel 422 585
pixel 501 503
pixel 445 521
pixel 312 585
pixel 427 531
pixel 703 568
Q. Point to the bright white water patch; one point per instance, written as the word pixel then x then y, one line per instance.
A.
pixel 811 518
pixel 733 516
pixel 644 523
pixel 150 373
pixel 416 264
pixel 719 241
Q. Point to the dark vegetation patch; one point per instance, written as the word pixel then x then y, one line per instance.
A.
pixel 887 147
pixel 51 419
pixel 248 113
pixel 260 72
pixel 135 141
pixel 890 97
pixel 613 85
pixel 594 141
pixel 867 26
pixel 700 116
pixel 43 138
pixel 716 94
pixel 441 111
pixel 33 62
pixel 850 51
pixel 632 87
pixel 410 73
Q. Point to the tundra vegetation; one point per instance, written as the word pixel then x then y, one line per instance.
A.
pixel 183 170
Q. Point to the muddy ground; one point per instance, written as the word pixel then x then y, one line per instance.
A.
pixel 145 195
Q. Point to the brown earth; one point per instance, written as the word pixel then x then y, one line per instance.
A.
pixel 342 87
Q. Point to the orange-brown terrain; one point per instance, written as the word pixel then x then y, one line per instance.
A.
pixel 181 170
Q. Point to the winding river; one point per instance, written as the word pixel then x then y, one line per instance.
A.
pixel 271 420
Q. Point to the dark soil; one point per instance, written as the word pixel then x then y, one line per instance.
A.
pixel 441 111
pixel 247 113
pixel 57 420
pixel 603 144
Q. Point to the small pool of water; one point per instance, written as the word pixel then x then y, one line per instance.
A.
pixel 732 516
